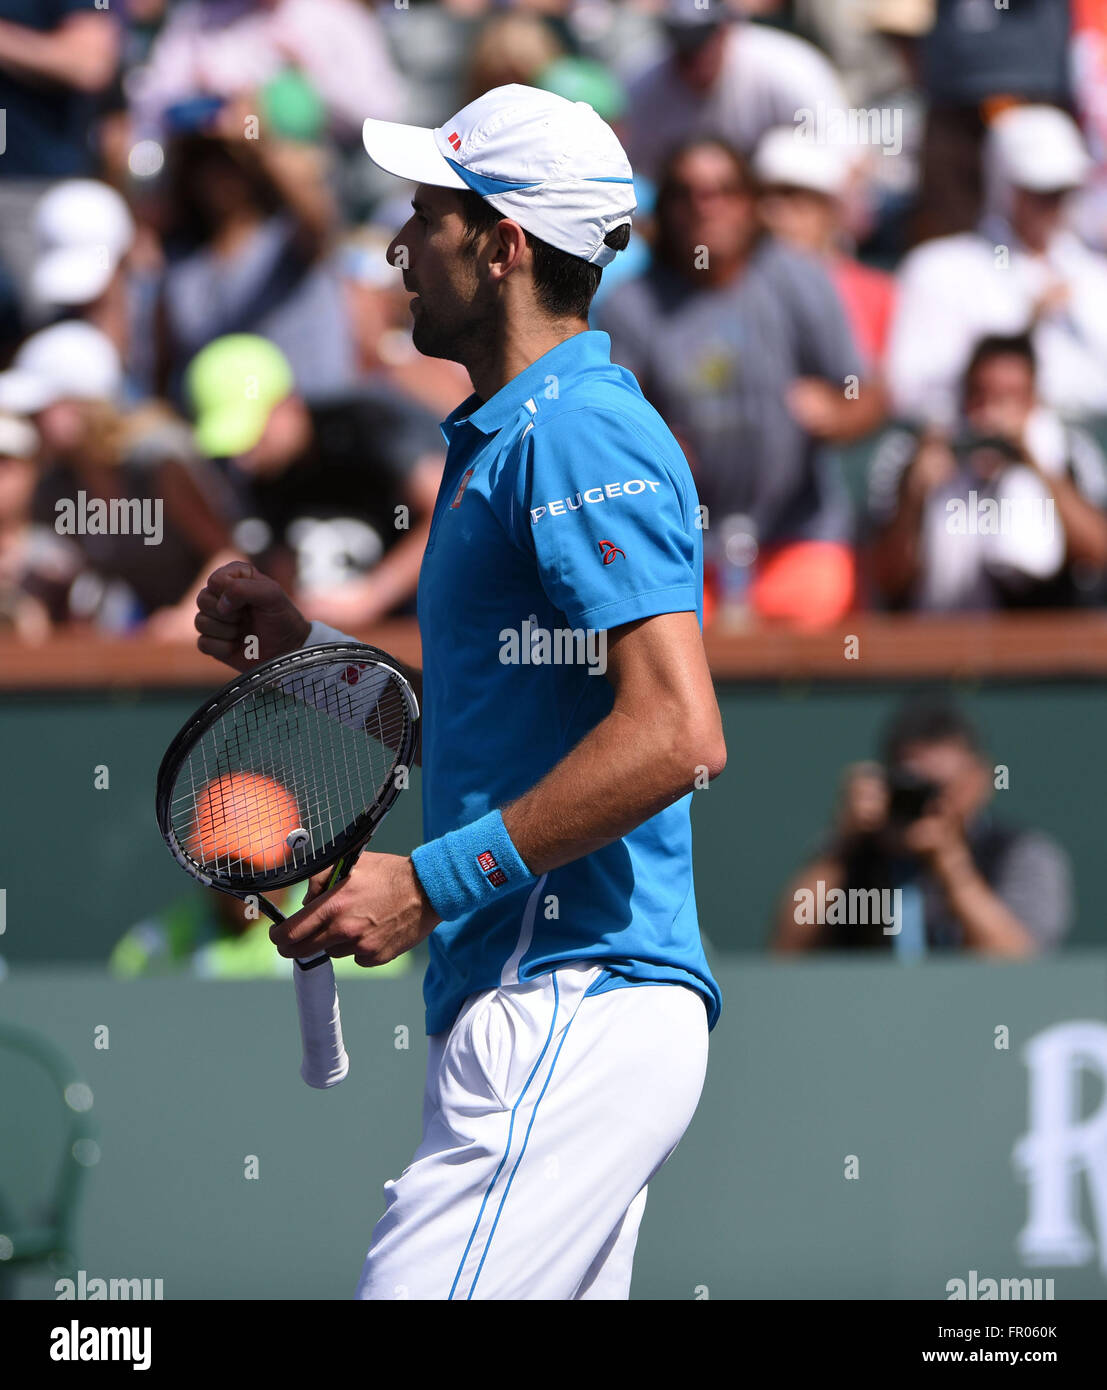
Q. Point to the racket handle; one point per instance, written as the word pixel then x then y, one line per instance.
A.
pixel 325 1061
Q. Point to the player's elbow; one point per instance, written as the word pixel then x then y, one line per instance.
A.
pixel 712 754
pixel 683 746
pixel 703 750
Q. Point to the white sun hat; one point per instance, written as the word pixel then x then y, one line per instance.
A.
pixel 67 361
pixel 552 165
pixel 1039 148
pixel 82 229
pixel 784 156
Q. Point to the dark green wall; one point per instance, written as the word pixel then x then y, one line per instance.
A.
pixel 812 1061
pixel 80 865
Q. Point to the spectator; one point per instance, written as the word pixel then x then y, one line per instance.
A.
pixel 509 48
pixel 1089 69
pixel 1032 491
pixel 67 378
pixel 897 28
pixel 742 345
pixel 255 227
pixel 723 77
pixel 230 48
pixel 84 232
pixel 859 40
pixel 1021 271
pixel 56 57
pixel 334 498
pixel 919 827
pixel 978 57
pixel 431 44
pixel 214 936
pixel 803 184
pixel 35 565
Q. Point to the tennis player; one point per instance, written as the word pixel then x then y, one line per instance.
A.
pixel 569 716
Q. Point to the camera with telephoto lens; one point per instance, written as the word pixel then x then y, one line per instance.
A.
pixel 909 796
pixel 986 454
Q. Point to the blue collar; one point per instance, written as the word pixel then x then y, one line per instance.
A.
pixel 583 350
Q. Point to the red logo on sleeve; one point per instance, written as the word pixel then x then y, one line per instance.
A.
pixel 608 549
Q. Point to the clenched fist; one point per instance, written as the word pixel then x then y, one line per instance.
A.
pixel 244 617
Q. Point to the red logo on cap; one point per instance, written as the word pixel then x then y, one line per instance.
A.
pixel 455 140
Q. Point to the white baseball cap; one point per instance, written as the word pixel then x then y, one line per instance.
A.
pixel 1038 148
pixel 67 361
pixel 552 165
pixel 784 156
pixel 83 229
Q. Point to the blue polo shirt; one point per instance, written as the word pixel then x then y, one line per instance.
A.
pixel 566 509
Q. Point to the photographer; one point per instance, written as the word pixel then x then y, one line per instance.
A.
pixel 917 830
pixel 1008 513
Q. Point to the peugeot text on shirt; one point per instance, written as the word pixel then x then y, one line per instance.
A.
pixel 590 496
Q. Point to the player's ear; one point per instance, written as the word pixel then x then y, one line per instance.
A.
pixel 507 247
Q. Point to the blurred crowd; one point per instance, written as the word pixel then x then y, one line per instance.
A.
pixel 867 290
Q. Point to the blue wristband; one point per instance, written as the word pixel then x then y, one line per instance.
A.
pixel 466 868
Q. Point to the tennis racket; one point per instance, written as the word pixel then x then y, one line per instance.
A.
pixel 287 771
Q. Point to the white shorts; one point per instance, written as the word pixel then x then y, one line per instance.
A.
pixel 547 1111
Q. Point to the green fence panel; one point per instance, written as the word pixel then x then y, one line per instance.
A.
pixel 819 1069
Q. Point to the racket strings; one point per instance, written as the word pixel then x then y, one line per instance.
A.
pixel 286 773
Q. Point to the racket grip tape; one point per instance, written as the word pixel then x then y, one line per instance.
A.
pixel 325 1060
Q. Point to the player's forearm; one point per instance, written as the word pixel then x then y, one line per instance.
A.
pixel 82 54
pixel 623 772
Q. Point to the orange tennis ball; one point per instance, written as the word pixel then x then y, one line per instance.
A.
pixel 246 817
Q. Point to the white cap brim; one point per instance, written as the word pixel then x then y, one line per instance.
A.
pixel 25 393
pixel 409 152
pixel 1061 177
pixel 71 275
